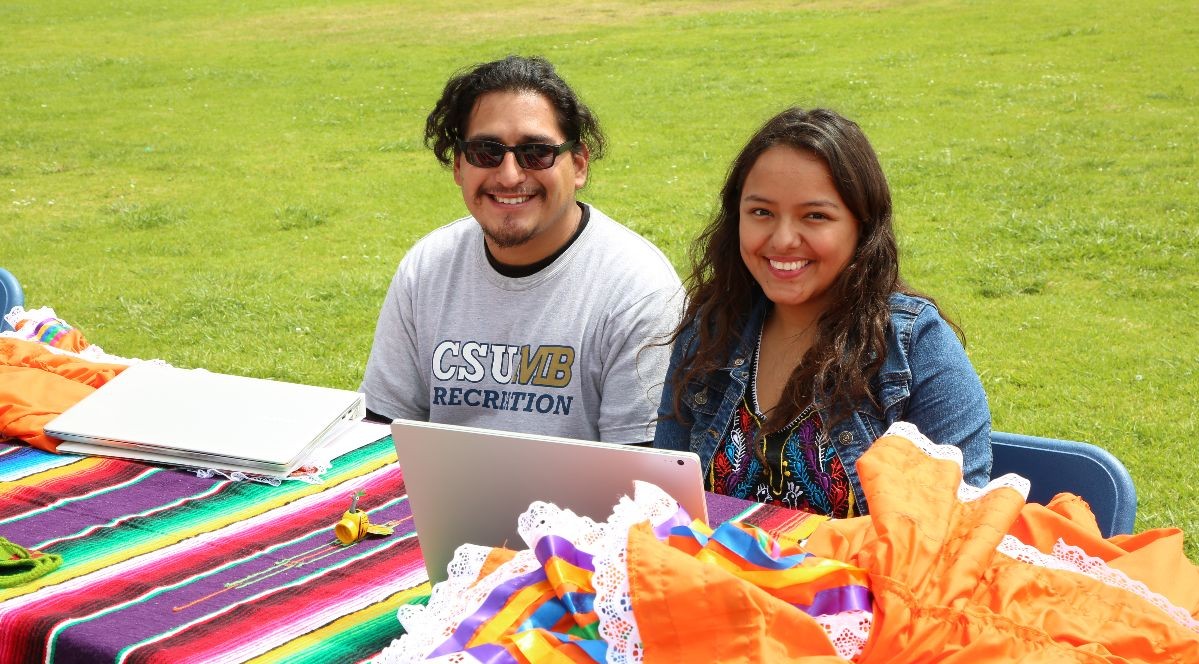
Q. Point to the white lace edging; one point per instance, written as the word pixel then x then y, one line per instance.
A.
pixel 1070 558
pixel 847 631
pixel 544 519
pixel 613 599
pixel 966 493
pixel 91 353
pixel 912 433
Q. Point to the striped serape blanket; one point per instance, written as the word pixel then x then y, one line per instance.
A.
pixel 159 565
pixel 162 565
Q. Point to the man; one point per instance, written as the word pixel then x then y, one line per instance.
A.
pixel 537 313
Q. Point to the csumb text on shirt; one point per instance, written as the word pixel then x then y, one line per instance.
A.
pixel 482 363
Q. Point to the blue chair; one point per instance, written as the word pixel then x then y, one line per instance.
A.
pixel 11 296
pixel 1053 466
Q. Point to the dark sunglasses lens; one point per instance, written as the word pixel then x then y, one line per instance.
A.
pixel 535 156
pixel 483 154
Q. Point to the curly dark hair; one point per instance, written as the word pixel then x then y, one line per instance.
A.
pixel 447 123
pixel 851 340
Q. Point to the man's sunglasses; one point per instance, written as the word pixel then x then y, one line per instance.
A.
pixel 531 156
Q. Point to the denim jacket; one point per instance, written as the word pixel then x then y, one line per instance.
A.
pixel 925 379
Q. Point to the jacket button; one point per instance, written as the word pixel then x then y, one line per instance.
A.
pixel 739 361
pixel 701 397
pixel 845 437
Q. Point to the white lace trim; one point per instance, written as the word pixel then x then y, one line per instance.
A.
pixel 1070 558
pixel 543 519
pixel 91 353
pixel 909 431
pixel 613 599
pixel 966 493
pixel 848 631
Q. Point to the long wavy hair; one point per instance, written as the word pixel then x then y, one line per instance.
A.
pixel 851 336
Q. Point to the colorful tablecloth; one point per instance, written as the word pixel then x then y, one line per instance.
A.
pixel 162 565
pixel 159 565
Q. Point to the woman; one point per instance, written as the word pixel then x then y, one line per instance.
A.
pixel 798 351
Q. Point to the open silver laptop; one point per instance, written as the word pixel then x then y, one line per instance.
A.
pixel 193 417
pixel 469 485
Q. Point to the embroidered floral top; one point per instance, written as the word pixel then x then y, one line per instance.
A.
pixel 802 470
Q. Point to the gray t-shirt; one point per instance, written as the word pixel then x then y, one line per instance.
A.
pixel 568 351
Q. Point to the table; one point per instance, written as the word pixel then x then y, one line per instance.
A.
pixel 160 565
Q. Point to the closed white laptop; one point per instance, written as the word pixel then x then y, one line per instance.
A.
pixel 469 485
pixel 194 417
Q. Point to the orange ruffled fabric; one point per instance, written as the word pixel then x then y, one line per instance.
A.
pixel 37 385
pixel 943 591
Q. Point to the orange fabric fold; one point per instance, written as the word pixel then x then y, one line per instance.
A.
pixel 37 385
pixel 689 611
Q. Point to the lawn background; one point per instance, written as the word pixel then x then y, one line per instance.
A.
pixel 231 185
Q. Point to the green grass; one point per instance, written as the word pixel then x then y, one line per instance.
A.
pixel 232 186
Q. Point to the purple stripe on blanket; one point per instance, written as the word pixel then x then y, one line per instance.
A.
pixel 722 508
pixel 250 573
pixel 149 491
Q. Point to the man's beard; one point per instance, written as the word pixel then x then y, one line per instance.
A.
pixel 507 236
